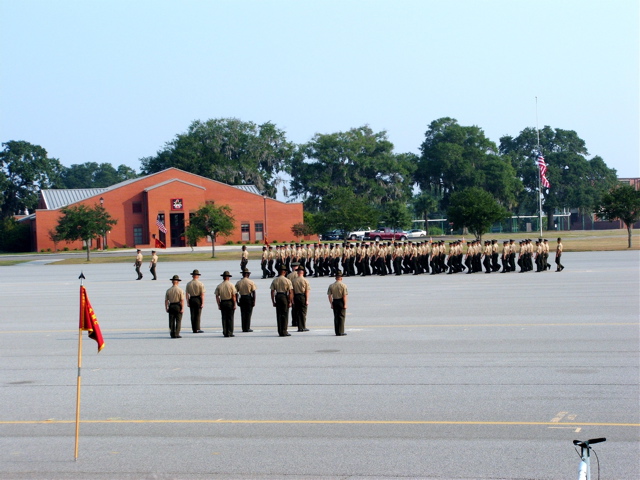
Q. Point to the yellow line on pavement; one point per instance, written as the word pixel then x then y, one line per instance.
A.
pixel 328 422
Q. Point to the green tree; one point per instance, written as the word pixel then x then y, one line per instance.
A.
pixel 25 170
pixel 475 209
pixel 192 234
pixel 344 210
pixel 313 221
pixel 228 150
pixel 423 205
pixel 301 229
pixel 212 220
pixel 576 181
pixel 359 160
pixel 455 157
pixel 83 223
pixel 93 175
pixel 396 215
pixel 623 203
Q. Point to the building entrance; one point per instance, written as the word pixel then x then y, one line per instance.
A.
pixel 177 229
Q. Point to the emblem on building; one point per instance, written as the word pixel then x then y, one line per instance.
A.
pixel 176 204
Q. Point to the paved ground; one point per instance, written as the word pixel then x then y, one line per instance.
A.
pixel 449 376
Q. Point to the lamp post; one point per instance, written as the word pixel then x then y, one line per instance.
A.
pixel 104 235
pixel 264 228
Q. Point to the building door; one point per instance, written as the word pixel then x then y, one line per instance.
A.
pixel 177 229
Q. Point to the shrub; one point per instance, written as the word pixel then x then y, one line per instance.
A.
pixel 14 236
pixel 435 231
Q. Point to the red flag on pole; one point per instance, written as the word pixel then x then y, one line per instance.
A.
pixel 88 319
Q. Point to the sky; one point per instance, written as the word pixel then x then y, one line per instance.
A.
pixel 113 81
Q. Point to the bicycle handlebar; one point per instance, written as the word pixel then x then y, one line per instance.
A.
pixel 589 442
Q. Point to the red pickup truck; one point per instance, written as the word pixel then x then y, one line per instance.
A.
pixel 386 234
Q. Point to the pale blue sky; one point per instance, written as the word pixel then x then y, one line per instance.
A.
pixel 112 81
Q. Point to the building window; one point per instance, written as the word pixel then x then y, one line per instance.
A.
pixel 137 207
pixel 259 231
pixel 137 235
pixel 246 235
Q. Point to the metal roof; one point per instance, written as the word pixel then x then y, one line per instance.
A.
pixel 248 188
pixel 58 198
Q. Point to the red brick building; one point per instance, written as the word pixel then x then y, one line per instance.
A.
pixel 168 197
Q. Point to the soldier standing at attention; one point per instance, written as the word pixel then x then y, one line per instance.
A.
pixel 244 259
pixel 195 299
pixel 272 273
pixel 505 256
pixel 290 276
pixel 512 255
pixel 264 262
pixel 538 258
pixel 277 258
pixel 152 265
pixel 545 255
pixel 302 257
pixel 338 295
pixel 301 289
pixel 246 299
pixel 487 256
pixel 494 256
pixel 174 305
pixel 398 253
pixel 138 263
pixel 317 259
pixel 282 299
pixel 310 259
pixel 226 299
pixel 294 273
pixel 559 266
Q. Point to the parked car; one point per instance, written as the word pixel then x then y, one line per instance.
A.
pixel 332 235
pixel 416 233
pixel 358 234
pixel 386 234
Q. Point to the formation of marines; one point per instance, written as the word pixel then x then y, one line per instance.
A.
pixel 324 259
pixel 286 294
pixel 402 258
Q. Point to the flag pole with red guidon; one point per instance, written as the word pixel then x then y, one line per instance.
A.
pixel 88 322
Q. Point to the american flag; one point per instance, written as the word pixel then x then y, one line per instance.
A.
pixel 160 225
pixel 543 171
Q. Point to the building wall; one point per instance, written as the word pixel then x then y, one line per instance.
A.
pixel 155 193
pixel 634 182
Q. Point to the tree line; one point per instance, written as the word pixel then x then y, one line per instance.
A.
pixel 351 179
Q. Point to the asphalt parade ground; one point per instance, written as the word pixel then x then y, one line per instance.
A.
pixel 449 377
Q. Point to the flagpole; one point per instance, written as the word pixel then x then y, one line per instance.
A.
pixel 539 174
pixel 79 373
